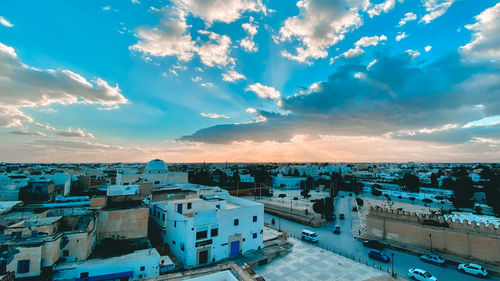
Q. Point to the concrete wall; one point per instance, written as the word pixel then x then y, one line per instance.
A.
pixel 123 223
pixel 33 254
pixel 472 241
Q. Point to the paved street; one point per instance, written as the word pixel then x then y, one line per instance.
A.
pixel 346 243
pixel 307 262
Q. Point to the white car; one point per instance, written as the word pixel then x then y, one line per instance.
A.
pixel 420 274
pixel 473 269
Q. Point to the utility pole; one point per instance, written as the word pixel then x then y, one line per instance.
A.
pixel 291 201
pixel 237 188
pixel 393 275
pixel 430 239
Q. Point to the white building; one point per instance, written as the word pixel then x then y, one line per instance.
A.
pixel 287 182
pixel 247 178
pixel 141 264
pixel 155 172
pixel 204 225
pixel 116 190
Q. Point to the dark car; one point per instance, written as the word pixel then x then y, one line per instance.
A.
pixel 336 229
pixel 433 259
pixel 354 209
pixel 374 244
pixel 341 216
pixel 379 255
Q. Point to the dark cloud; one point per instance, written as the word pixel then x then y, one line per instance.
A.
pixel 396 93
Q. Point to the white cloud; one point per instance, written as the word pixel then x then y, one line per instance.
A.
pixel 485 43
pixel 196 79
pixel 247 43
pixel 413 53
pixel 136 1
pixel 5 22
pixel 75 133
pixel 207 84
pixel 45 126
pixel 264 91
pixel 353 52
pixel 214 115
pixel 170 38
pixel 408 17
pixel 26 86
pixel 401 36
pixel 25 132
pixel 220 10
pixel 371 64
pixel 251 110
pixel 385 7
pixel 363 42
pixel 427 48
pixel 360 75
pixel 435 9
pixel 319 25
pixel 232 76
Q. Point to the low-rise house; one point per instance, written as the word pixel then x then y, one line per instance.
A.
pixel 205 225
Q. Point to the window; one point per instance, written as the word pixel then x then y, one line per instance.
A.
pixel 173 242
pixel 143 268
pixel 23 266
pixel 214 232
pixel 201 235
pixel 175 223
pixel 84 275
pixel 254 218
pixel 157 182
pixel 189 206
pixel 217 206
pixel 236 222
pixel 163 217
pixel 66 253
pixel 254 235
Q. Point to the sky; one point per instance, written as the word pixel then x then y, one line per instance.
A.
pixel 250 81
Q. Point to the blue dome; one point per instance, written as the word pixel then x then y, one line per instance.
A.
pixel 156 166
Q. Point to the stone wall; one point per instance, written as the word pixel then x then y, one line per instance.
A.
pixel 464 239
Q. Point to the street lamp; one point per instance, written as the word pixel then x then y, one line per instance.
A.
pixel 393 275
pixel 430 239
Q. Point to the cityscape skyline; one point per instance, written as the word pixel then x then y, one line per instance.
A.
pixel 258 81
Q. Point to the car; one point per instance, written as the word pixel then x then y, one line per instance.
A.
pixel 354 209
pixel 310 236
pixel 472 268
pixel 336 229
pixel 374 244
pixel 341 216
pixel 435 259
pixel 420 275
pixel 379 255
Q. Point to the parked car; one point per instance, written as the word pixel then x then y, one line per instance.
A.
pixel 420 275
pixel 336 229
pixel 435 259
pixel 310 236
pixel 374 244
pixel 354 209
pixel 474 269
pixel 379 255
pixel 341 216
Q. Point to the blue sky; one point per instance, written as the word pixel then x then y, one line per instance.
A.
pixel 250 80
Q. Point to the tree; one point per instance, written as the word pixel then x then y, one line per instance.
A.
pixel 411 183
pixel 305 193
pixel 282 196
pixel 296 173
pixel 412 199
pixel 464 191
pixel 448 183
pixel 359 201
pixel 324 207
pixel 376 192
pixel 492 191
pixel 309 183
pixel 434 181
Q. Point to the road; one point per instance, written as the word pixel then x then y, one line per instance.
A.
pixel 346 243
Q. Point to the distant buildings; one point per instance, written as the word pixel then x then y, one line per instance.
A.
pixel 281 181
pixel 155 172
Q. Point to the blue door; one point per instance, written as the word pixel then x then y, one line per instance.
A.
pixel 179 208
pixel 235 248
